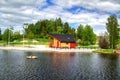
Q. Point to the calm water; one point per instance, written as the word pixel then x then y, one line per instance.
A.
pixel 58 66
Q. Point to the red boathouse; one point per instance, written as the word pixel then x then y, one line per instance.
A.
pixel 62 41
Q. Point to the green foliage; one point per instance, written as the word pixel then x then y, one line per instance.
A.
pixel 80 32
pixel 42 28
pixel 66 29
pixel 112 28
pixel 79 42
pixel 118 45
pixel 72 32
pixel 16 36
pixel 90 47
pixel 104 51
pixel 86 35
pixel 8 35
pixel 0 34
pixel 30 35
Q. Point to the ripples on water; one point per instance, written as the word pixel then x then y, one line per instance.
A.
pixel 58 66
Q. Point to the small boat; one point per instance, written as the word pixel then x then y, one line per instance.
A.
pixel 31 57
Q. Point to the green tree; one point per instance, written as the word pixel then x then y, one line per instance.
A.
pixel 66 28
pixel 89 37
pixel 0 31
pixel 59 30
pixel 31 28
pixel 30 35
pixel 42 28
pixel 72 32
pixel 80 32
pixel 112 28
pixel 16 36
pixel 0 34
pixel 8 35
pixel 59 22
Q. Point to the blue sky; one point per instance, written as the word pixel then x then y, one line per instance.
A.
pixel 76 12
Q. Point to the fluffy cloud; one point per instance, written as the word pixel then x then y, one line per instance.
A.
pixel 94 13
pixel 17 11
pixel 97 19
pixel 102 5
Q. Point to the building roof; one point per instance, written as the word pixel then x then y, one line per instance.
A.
pixel 64 37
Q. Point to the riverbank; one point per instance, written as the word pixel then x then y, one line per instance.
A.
pixel 104 51
pixel 43 48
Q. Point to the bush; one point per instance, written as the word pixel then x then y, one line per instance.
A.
pixel 118 45
pixel 103 42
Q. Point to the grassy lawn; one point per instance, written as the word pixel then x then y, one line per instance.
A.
pixel 43 41
pixel 40 41
pixel 104 51
pixel 90 47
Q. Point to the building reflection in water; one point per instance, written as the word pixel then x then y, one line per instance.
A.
pixel 60 59
pixel 56 54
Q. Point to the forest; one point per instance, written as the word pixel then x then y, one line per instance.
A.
pixel 83 35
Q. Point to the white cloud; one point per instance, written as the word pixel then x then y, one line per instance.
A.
pixel 97 21
pixel 108 6
pixel 90 4
pixel 17 12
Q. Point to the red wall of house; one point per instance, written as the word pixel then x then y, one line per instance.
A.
pixel 57 44
pixel 72 45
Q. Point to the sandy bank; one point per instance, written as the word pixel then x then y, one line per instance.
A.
pixel 43 48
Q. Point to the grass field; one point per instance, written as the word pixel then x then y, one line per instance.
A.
pixel 104 51
pixel 40 41
pixel 90 47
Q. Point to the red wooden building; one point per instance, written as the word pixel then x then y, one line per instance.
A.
pixel 62 41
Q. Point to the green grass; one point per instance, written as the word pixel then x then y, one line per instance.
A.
pixel 89 47
pixel 104 51
pixel 41 41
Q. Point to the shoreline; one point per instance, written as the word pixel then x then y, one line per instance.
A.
pixel 44 49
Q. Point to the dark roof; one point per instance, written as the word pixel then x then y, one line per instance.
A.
pixel 63 37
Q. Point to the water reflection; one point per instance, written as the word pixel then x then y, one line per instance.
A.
pixel 58 66
pixel 109 56
pixel 106 66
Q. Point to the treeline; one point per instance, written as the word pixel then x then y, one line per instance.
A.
pixel 84 35
pixel 9 36
pixel 111 38
pixel 42 28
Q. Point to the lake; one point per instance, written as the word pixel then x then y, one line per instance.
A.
pixel 58 66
